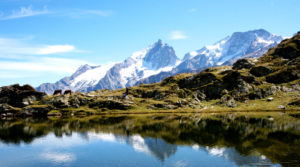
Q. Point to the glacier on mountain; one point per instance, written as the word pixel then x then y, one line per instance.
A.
pixel 159 61
pixel 156 58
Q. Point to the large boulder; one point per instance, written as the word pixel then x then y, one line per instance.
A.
pixel 242 63
pixel 228 101
pixel 260 71
pixel 38 110
pixel 212 90
pixel 60 101
pixel 289 50
pixel 4 108
pixel 19 96
pixel 197 80
pixel 232 80
pixel 283 76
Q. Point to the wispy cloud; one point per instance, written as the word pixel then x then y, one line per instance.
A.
pixel 83 13
pixel 176 35
pixel 52 49
pixel 21 57
pixel 10 46
pixel 25 12
pixel 71 13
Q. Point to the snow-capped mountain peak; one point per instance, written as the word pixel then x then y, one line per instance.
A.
pixel 159 60
pixel 156 58
pixel 152 60
pixel 232 47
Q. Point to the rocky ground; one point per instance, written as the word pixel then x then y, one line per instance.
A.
pixel 271 82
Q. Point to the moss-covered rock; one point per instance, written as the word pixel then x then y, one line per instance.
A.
pixel 283 76
pixel 260 71
pixel 197 80
pixel 242 64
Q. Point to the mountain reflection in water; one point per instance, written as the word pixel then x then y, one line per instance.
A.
pixel 155 140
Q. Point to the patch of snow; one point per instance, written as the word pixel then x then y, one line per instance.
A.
pixel 91 77
pixel 193 53
pixel 267 42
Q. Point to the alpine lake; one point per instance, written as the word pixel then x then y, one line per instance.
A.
pixel 170 139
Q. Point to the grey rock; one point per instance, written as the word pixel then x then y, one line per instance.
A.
pixel 36 110
pixel 281 107
pixel 60 101
pixel 29 100
pixel 5 108
pixel 270 99
pixel 228 101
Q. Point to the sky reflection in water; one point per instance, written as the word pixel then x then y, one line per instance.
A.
pixel 108 149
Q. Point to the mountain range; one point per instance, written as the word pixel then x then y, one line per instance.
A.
pixel 159 61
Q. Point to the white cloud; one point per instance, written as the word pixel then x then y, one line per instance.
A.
pixel 58 157
pixel 52 49
pixel 72 13
pixel 25 12
pixel 20 58
pixel 176 35
pixel 10 46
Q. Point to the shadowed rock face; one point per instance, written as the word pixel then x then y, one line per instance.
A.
pixel 19 96
pixel 260 71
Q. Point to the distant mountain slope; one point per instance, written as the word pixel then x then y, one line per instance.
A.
pixel 225 52
pixel 142 64
pixel 159 61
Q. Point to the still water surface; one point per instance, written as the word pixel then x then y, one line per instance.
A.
pixel 150 140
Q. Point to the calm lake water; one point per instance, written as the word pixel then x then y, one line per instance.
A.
pixel 152 140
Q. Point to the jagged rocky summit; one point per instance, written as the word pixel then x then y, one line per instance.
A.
pixel 159 61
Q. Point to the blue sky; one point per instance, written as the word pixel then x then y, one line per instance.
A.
pixel 45 40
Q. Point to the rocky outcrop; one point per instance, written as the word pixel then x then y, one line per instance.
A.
pixel 36 110
pixel 228 101
pixel 19 96
pixel 61 101
pixel 283 76
pixel 260 71
pixel 290 48
pixel 197 80
pixel 242 63
pixel 5 108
